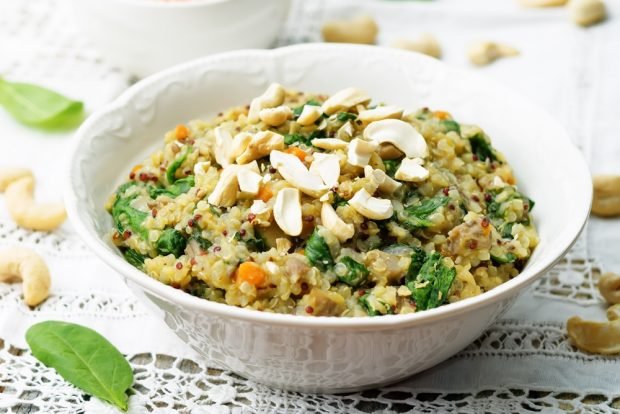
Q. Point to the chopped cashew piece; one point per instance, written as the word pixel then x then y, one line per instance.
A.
pixel 330 219
pixel 326 166
pixel 330 143
pixel 309 115
pixel 249 181
pixel 426 43
pixel 399 133
pixel 201 168
pixel 295 172
pixel 259 207
pixel 261 144
pixel 240 143
pixel 371 207
pixel 361 29
pixel 344 99
pixel 606 200
pixel 360 151
pixel 21 264
pixel 223 146
pixel 272 97
pixel 10 174
pixel 483 53
pixel 283 245
pixel 384 181
pixel 542 3
pixel 587 12
pixel 596 337
pixel 381 112
pixel 411 170
pixel 609 286
pixel 28 214
pixel 225 192
pixel 287 211
pixel 275 116
pixel 346 131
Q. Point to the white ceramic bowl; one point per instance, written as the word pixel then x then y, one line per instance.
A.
pixel 322 353
pixel 144 36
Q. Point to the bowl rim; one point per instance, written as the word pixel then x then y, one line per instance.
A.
pixel 181 298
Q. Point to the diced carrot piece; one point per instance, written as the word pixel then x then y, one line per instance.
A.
pixel 265 193
pixel 251 272
pixel 441 115
pixel 181 131
pixel 298 152
pixel 136 168
pixel 511 180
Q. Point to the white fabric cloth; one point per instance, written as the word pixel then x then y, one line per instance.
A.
pixel 523 363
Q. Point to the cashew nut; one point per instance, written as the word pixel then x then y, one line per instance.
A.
pixel 275 116
pixel 225 192
pixel 28 214
pixel 309 115
pixel 411 170
pixel 287 211
pixel 326 166
pixel 542 3
pixel 330 143
pixel 296 173
pixel 380 112
pixel 596 337
pixel 400 133
pixel 272 97
pixel 483 53
pixel 587 12
pixel 606 200
pixel 10 174
pixel 609 286
pixel 344 99
pixel 333 222
pixel 371 207
pixel 426 44
pixel 360 29
pixel 223 147
pixel 261 144
pixel 383 181
pixel 360 151
pixel 21 264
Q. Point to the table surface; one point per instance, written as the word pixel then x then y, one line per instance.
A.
pixel 523 363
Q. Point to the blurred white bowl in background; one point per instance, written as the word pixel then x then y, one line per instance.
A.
pixel 145 36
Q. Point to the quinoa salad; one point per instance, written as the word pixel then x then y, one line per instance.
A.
pixel 323 205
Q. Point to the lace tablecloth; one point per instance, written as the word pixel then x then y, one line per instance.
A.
pixel 524 363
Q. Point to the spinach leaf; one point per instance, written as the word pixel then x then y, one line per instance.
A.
pixel 202 242
pixel 391 166
pixel 40 107
pixel 298 110
pixel 84 358
pixel 370 307
pixel 482 148
pixel 345 116
pixel 179 187
pixel 126 217
pixel 317 251
pixel 256 244
pixel 290 139
pixel 507 258
pixel 450 125
pixel 506 230
pixel 416 217
pixel 171 241
pixel 339 201
pixel 356 273
pixel 430 288
pixel 418 257
pixel 134 258
pixel 176 164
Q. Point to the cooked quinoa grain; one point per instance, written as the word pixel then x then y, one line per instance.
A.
pixel 325 206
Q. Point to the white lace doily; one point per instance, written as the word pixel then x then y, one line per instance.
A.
pixel 523 363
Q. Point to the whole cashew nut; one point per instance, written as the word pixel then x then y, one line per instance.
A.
pixel 609 286
pixel 21 264
pixel 483 53
pixel 11 174
pixel 606 198
pixel 587 12
pixel 361 29
pixel 596 337
pixel 28 214
pixel 426 44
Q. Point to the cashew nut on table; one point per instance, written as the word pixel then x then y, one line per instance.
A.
pixel 12 174
pixel 426 44
pixel 587 12
pixel 26 212
pixel 22 264
pixel 483 53
pixel 360 29
pixel 606 197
